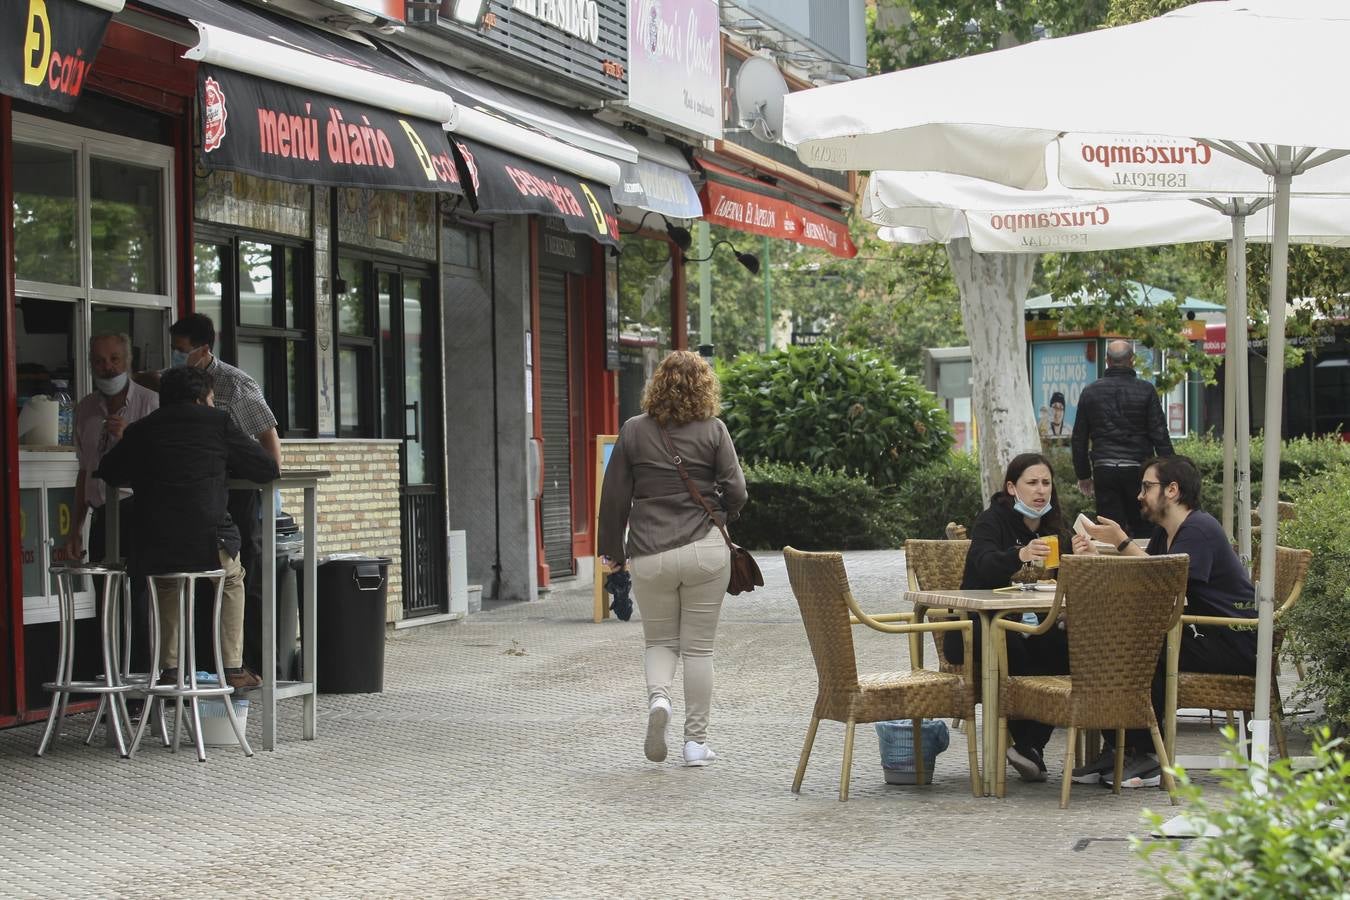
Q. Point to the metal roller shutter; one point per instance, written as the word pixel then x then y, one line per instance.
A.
pixel 553 377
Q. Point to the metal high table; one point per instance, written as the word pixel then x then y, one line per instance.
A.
pixel 273 690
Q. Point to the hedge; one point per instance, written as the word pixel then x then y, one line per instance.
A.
pixel 826 510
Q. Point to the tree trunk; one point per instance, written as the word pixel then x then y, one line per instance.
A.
pixel 993 291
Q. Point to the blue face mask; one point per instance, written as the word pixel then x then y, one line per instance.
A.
pixel 178 358
pixel 1022 509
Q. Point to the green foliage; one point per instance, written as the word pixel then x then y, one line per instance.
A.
pixel 917 32
pixel 1319 626
pixel 1287 841
pixel 829 407
pixel 1300 459
pixel 1107 281
pixel 815 510
pixel 946 490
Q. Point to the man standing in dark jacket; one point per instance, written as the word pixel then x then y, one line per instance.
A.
pixel 1121 417
pixel 177 459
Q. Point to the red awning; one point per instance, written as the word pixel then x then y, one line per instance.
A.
pixel 745 204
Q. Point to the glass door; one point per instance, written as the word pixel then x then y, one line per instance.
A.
pixel 410 405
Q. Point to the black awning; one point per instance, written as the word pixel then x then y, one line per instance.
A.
pixel 502 182
pixel 281 132
pixel 48 48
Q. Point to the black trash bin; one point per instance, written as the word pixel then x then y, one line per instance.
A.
pixel 350 627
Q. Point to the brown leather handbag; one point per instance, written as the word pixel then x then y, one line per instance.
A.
pixel 745 574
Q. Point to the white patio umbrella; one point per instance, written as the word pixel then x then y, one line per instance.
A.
pixel 1168 75
pixel 923 207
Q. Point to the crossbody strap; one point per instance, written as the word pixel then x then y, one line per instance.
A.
pixel 693 489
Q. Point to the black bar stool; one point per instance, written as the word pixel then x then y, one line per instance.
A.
pixel 109 583
pixel 185 689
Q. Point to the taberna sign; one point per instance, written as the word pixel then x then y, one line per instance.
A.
pixel 276 131
pixel 47 48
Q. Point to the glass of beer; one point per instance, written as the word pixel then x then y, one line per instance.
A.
pixel 1052 561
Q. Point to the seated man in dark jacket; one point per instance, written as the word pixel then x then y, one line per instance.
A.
pixel 176 460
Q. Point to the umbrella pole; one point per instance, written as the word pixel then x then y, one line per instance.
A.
pixel 1270 463
pixel 1229 382
pixel 1242 394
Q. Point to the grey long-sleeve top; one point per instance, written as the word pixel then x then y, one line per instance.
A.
pixel 643 490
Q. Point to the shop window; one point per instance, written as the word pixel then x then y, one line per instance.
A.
pixel 126 226
pixel 46 214
pixel 356 348
pixel 91 214
pixel 259 294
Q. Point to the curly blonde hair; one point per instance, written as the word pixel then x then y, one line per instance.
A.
pixel 684 388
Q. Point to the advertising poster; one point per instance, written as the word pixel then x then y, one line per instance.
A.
pixel 1059 372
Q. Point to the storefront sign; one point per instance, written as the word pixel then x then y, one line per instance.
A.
pixel 47 48
pixel 675 63
pixel 501 182
pixel 581 43
pixel 579 18
pixel 275 131
pixel 1059 372
pixel 759 213
pixel 564 251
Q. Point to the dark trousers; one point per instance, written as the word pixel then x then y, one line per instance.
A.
pixel 1218 651
pixel 243 507
pixel 1116 489
pixel 140 594
pixel 1037 654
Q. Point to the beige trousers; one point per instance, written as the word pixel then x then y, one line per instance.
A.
pixel 679 593
pixel 231 617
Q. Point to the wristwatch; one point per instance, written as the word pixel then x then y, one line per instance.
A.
pixel 1120 548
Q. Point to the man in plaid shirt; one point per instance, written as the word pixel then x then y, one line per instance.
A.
pixel 193 338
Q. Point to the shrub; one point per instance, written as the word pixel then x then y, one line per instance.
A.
pixel 825 510
pixel 1319 626
pixel 1299 458
pixel 946 490
pixel 828 407
pixel 1286 841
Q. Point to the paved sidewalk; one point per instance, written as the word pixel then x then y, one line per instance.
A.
pixel 505 759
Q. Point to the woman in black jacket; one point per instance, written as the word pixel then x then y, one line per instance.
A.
pixel 1005 537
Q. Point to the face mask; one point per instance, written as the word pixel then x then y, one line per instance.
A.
pixel 111 387
pixel 1022 509
pixel 178 358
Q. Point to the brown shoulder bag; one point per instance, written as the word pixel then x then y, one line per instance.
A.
pixel 745 574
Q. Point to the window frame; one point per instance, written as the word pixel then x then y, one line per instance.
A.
pixel 86 144
pixel 274 338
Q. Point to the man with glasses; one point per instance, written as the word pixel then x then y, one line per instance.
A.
pixel 1120 418
pixel 1217 584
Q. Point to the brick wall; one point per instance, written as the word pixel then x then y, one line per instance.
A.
pixel 358 505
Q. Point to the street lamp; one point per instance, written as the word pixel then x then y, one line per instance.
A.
pixel 678 235
pixel 749 260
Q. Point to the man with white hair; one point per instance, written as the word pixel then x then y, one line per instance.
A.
pixel 1120 417
pixel 100 419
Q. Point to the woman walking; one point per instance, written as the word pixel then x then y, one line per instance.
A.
pixel 679 562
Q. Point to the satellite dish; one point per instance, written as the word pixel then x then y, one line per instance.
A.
pixel 760 89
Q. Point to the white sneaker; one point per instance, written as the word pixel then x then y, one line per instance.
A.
pixel 658 717
pixel 696 754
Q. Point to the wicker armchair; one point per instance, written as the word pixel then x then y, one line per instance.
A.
pixel 937 566
pixel 1237 693
pixel 1118 614
pixel 821 588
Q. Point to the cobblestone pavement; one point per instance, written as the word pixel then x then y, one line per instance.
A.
pixel 505 759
